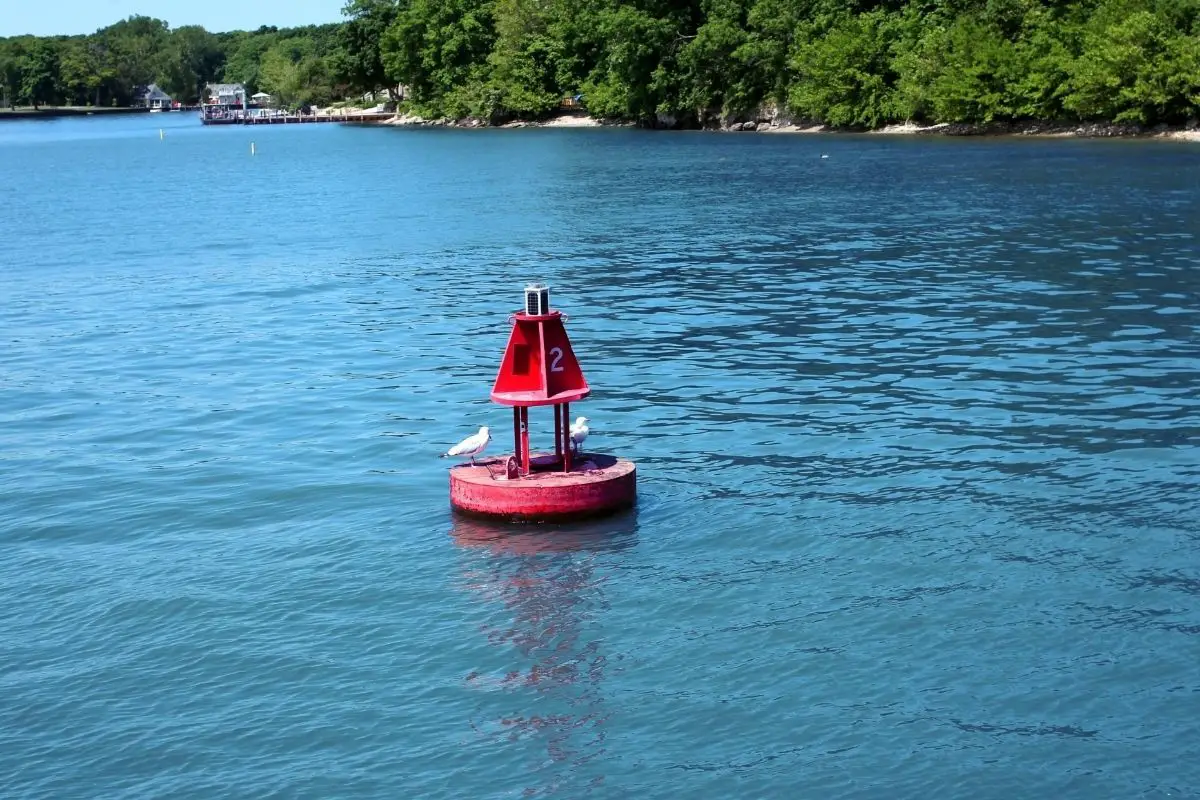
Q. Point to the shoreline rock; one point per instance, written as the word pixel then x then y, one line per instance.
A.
pixel 771 121
pixel 1089 130
pixel 569 120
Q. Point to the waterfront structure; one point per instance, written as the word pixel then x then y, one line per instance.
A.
pixel 223 104
pixel 153 98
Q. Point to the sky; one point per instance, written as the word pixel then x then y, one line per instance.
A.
pixel 67 17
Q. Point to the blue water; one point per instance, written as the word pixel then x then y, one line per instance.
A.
pixel 917 428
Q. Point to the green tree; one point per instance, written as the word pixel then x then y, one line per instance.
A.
pixel 81 72
pixel 192 57
pixel 244 61
pixel 846 75
pixel 1038 78
pixel 295 74
pixel 847 62
pixel 523 63
pixel 439 49
pixel 133 49
pixel 11 77
pixel 629 80
pixel 357 60
pixel 918 61
pixel 772 26
pixel 716 71
pixel 1135 66
pixel 976 69
pixel 39 74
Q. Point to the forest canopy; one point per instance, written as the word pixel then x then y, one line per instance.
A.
pixel 855 63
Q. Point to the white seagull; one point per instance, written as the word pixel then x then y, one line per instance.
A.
pixel 471 446
pixel 579 432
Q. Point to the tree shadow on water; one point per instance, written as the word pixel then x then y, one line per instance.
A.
pixel 544 591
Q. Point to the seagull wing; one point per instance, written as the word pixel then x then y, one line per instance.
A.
pixel 467 445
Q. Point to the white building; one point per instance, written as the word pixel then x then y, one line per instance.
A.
pixel 225 94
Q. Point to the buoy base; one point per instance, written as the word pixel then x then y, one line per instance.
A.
pixel 596 485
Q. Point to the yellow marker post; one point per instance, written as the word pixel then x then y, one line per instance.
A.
pixel 161 135
pixel 252 148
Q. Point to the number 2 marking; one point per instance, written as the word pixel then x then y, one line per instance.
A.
pixel 555 366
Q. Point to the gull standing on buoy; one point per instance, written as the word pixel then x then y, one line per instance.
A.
pixel 579 432
pixel 471 446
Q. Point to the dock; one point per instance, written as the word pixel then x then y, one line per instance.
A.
pixel 294 119
pixel 229 104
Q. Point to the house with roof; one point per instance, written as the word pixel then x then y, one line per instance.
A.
pixel 153 97
pixel 225 94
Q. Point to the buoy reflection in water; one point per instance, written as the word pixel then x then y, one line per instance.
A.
pixel 546 600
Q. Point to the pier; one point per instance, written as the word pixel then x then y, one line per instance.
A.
pixel 228 104
pixel 294 119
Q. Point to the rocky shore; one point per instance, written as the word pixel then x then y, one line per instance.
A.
pixel 567 120
pixel 769 121
pixel 1091 130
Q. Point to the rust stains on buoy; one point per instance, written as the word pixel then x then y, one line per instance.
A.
pixel 539 368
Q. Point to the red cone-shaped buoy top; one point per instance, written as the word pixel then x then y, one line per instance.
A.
pixel 539 368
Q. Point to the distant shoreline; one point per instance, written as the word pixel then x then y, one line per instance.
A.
pixel 776 125
pixel 1050 130
pixel 66 111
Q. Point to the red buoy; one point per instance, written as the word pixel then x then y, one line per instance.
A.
pixel 539 368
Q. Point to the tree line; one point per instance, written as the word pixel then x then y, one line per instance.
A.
pixel 842 62
pixel 109 67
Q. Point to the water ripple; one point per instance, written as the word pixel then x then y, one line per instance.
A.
pixel 917 428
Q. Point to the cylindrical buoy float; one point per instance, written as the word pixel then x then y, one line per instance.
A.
pixel 539 368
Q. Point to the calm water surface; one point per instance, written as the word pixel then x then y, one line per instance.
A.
pixel 917 426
